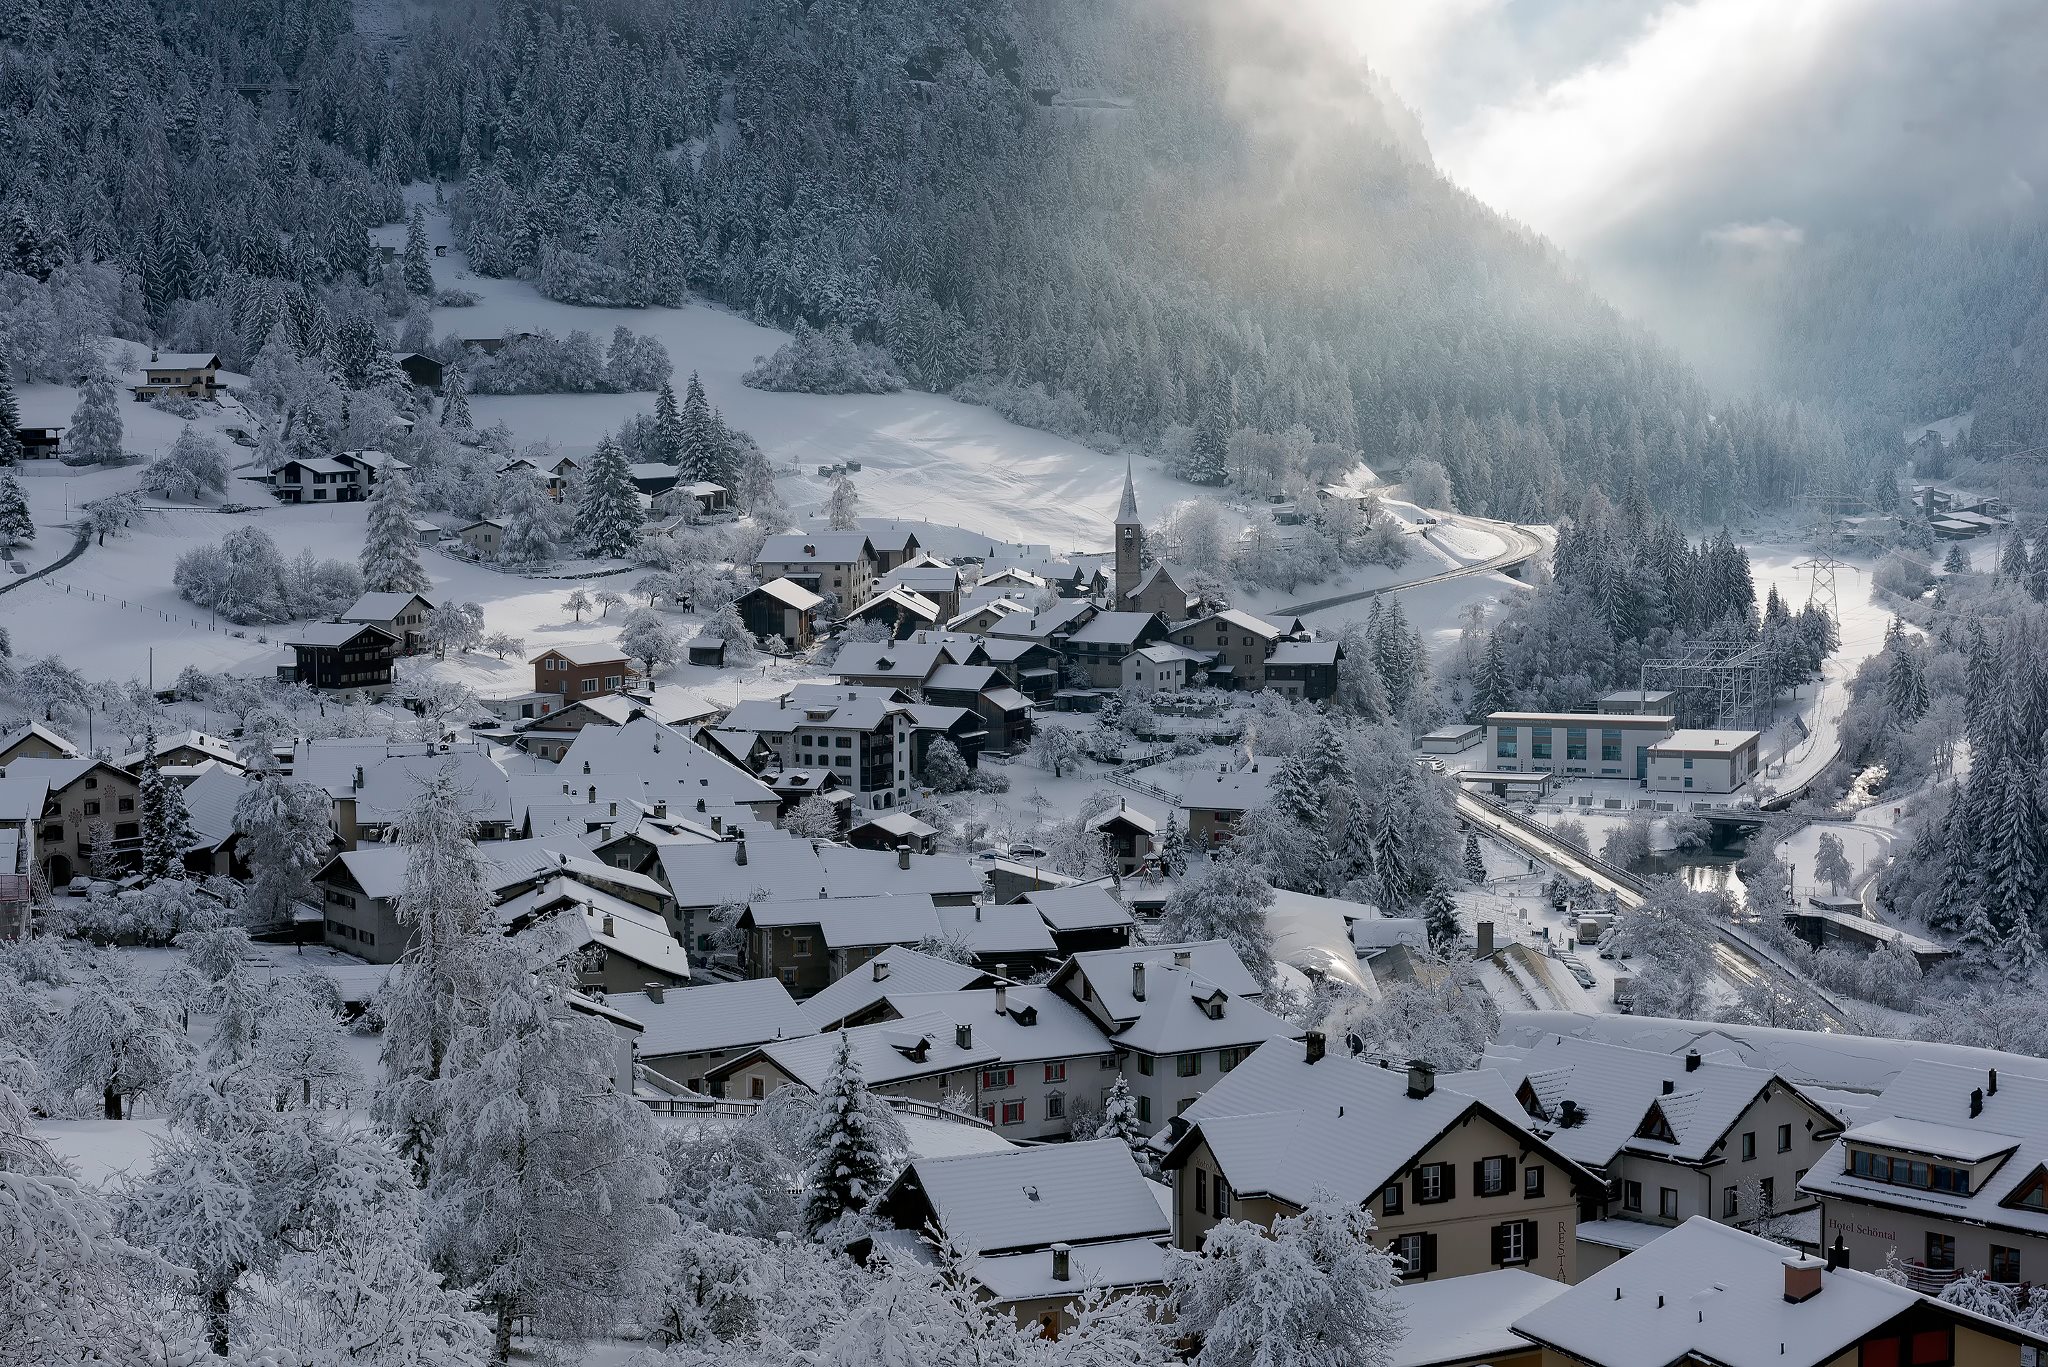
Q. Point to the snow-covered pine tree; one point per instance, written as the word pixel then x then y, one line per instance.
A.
pixel 701 455
pixel 945 769
pixel 391 546
pixel 608 506
pixel 166 823
pixel 668 426
pixel 1957 561
pixel 1440 917
pixel 455 414
pixel 419 270
pixel 543 1189
pixel 1120 1122
pixel 1174 850
pixel 11 451
pixel 851 1165
pixel 95 434
pixel 843 509
pixel 1493 691
pixel 530 518
pixel 1475 859
pixel 17 524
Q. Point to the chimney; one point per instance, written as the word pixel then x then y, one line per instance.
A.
pixel 1421 1079
pixel 1568 1113
pixel 741 857
pixel 1002 999
pixel 1838 1255
pixel 1483 931
pixel 1062 1264
pixel 1991 1089
pixel 608 926
pixel 359 776
pixel 881 969
pixel 963 1036
pixel 1669 1086
pixel 1316 1045
pixel 1138 980
pixel 1976 1102
pixel 1183 958
pixel 903 855
pixel 661 809
pixel 654 993
pixel 1692 1060
pixel 1802 1279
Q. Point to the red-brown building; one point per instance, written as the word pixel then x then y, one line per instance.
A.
pixel 581 671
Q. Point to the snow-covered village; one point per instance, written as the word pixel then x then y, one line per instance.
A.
pixel 1061 683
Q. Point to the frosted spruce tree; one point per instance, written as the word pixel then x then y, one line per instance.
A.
pixel 1440 917
pixel 852 1163
pixel 530 517
pixel 608 506
pixel 701 450
pixel 419 270
pixel 391 547
pixel 10 419
pixel 1120 1122
pixel 455 414
pixel 844 508
pixel 543 1188
pixel 668 426
pixel 17 524
pixel 1475 860
pixel 95 435
pixel 166 823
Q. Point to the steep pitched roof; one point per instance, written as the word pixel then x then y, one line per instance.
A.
pixel 714 1016
pixel 896 969
pixel 1081 1193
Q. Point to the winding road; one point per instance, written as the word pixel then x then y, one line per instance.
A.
pixel 1523 545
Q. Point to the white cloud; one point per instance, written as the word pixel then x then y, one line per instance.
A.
pixel 1768 236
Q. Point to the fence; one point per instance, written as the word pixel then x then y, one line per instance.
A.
pixel 229 629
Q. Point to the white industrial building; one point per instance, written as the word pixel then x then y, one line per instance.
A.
pixel 1592 744
pixel 1702 761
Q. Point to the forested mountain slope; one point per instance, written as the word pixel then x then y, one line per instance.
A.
pixel 1120 218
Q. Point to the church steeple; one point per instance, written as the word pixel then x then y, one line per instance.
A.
pixel 1130 541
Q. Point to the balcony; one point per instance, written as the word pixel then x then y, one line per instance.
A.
pixel 1928 1281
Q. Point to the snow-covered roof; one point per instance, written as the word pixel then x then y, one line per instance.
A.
pixel 584 654
pixel 210 802
pixel 897 969
pixel 924 577
pixel 992 931
pixel 909 660
pixel 1702 741
pixel 1240 790
pixel 1707 1292
pixel 22 799
pixel 379 870
pixel 863 873
pixel 1303 653
pixel 777 865
pixel 1113 628
pixel 666 763
pixel 1926 1112
pixel 590 917
pixel 1614 1089
pixel 1282 1126
pixel 212 746
pixel 1469 1318
pixel 1044 623
pixel 1166 653
pixel 1108 972
pixel 1234 617
pixel 182 360
pixel 841 707
pixel 964 678
pixel 1082 1193
pixel 850 922
pixel 393 775
pixel 334 634
pixel 1184 1011
pixel 1085 906
pixel 905 600
pixel 901 824
pixel 891 1052
pixel 61 744
pixel 1114 1264
pixel 791 593
pixel 1033 1024
pixel 713 1016
pixel 382 607
pixel 59 774
pixel 821 548
pixel 1124 813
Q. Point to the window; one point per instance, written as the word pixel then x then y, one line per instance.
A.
pixel 788 976
pixel 1667 1202
pixel 126 804
pixel 757 1088
pixel 1539 742
pixel 800 944
pixel 1390 1199
pixel 2005 1264
pixel 1056 1106
pixel 1910 1172
pixel 1575 742
pixel 1532 1181
pixel 1730 1203
pixel 1055 1072
pixel 1767 1194
pixel 1610 745
pixel 1145 1109
pixel 1013 1113
pixel 1201 1191
pixel 1688 764
pixel 1748 1145
pixel 1688 781
pixel 1188 1065
pixel 1784 1139
pixel 1144 1065
pixel 1413 1251
pixel 1433 1183
pixel 1490 1176
pixel 590 685
pixel 1920 1348
pixel 1221 1191
pixel 1514 1243
pixel 995 1079
pixel 1941 1252
pixel 1506 747
pixel 1226 1059
pixel 1631 1195
pixel 92 809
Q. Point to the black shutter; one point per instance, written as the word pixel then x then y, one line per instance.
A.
pixel 1498 1237
pixel 1415 1182
pixel 1428 1253
pixel 1450 1181
pixel 1479 1177
pixel 1529 1228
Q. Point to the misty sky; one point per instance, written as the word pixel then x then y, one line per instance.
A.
pixel 1633 130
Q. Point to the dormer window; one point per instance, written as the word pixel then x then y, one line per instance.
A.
pixel 1899 1171
pixel 1656 1126
pixel 2031 1194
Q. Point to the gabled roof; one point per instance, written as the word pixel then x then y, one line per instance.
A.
pixel 892 1052
pixel 1304 653
pixel 584 916
pixel 822 548
pixel 1469 1318
pixel 789 593
pixel 1926 1112
pixel 714 1016
pixel 1240 790
pixel 1705 1292
pixel 332 635
pixel 1081 1193
pixel 585 654
pixel 1108 972
pixel 897 969
pixel 35 728
pixel 211 746
pixel 848 922
pixel 965 678
pixel 182 360
pixel 1243 621
pixel 210 802
pixel 664 761
pixel 1126 815
pixel 712 875
pixel 903 662
pixel 22 799
pixel 863 873
pixel 382 607
pixel 1117 628
pixel 991 931
pixel 1085 906
pixel 60 773
pixel 902 599
pixel 1035 1023
pixel 1282 1126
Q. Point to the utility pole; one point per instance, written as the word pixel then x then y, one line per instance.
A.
pixel 1821 588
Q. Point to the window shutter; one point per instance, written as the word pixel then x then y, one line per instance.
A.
pixel 1479 1177
pixel 1529 1228
pixel 1450 1181
pixel 1497 1236
pixel 1415 1183
pixel 1428 1253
